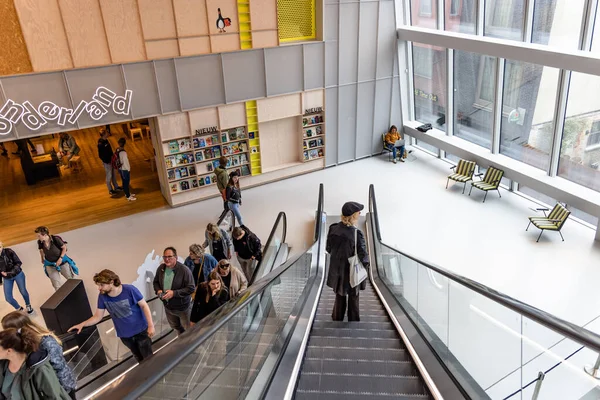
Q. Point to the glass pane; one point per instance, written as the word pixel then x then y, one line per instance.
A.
pixel 427 147
pixel 580 147
pixel 452 158
pixel 429 65
pixel 547 200
pixel 270 252
pixel 504 19
pixel 557 23
pixel 505 182
pixel 585 217
pixel 423 13
pixel 474 99
pixel 461 16
pixel 529 99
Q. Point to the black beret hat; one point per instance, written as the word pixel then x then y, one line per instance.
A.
pixel 351 207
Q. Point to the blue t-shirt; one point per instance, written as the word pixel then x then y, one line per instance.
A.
pixel 126 314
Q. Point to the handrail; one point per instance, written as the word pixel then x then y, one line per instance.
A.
pixel 140 380
pixel 280 216
pixel 574 332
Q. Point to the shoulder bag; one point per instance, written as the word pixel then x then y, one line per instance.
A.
pixel 358 272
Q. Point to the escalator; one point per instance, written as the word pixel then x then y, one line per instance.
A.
pixel 97 356
pixel 425 333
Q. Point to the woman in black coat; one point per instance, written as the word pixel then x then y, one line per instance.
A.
pixel 341 245
pixel 209 296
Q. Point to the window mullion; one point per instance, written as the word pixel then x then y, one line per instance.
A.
pixel 528 21
pixel 498 104
pixel 441 20
pixel 450 92
pixel 480 17
pixel 559 120
pixel 587 25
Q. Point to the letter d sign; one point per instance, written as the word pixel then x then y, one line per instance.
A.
pixel 122 104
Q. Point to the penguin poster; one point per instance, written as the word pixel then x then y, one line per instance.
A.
pixel 222 21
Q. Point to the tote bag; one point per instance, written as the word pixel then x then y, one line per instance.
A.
pixel 358 272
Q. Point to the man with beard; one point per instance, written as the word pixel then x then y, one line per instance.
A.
pixel 129 311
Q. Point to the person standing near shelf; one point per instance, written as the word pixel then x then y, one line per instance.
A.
pixel 221 174
pixel 234 196
pixel 121 163
pixel 105 153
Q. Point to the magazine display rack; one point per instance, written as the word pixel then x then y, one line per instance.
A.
pixel 313 134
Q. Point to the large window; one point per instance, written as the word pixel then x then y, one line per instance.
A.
pixel 529 99
pixel 423 13
pixel 474 98
pixel 460 16
pixel 504 19
pixel 580 147
pixel 429 66
pixel 557 23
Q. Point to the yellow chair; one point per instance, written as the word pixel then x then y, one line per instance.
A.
pixel 491 181
pixel 463 173
pixel 553 222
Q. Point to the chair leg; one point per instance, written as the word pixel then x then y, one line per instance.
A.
pixel 447 182
pixel 561 236
pixel 538 239
pixel 484 197
pixel 470 190
pixel 499 193
pixel 464 188
pixel 526 229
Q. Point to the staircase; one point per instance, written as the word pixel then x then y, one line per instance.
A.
pixel 357 360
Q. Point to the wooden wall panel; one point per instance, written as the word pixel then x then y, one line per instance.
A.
pixel 173 126
pixel 228 10
pixel 313 99
pixel 158 21
pixel 190 16
pixel 263 14
pixel 232 115
pixel 85 32
pixel 203 118
pixel 14 58
pixel 123 30
pixel 162 49
pixel 194 46
pixel 279 107
pixel 44 34
pixel 225 42
pixel 262 39
pixel 280 143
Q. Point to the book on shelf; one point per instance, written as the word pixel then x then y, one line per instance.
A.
pixel 241 132
pixel 312 143
pixel 173 147
pixel 235 148
pixel 224 137
pixel 170 161
pixel 245 170
pixel 178 173
pixel 194 183
pixel 229 162
pixel 233 135
pixel 185 145
pixel 318 130
pixel 252 135
pixel 319 142
pixel 171 174
pixel 208 154
pixel 254 149
pixel 243 158
pixel 209 167
pixel 183 172
pixel 235 161
pixel 243 146
pixel 305 153
pixel 201 142
pixel 320 153
pixel 192 169
pixel 174 187
pixel 208 141
pixel 217 151
pixel 313 154
pixel 207 180
pixel 201 182
pixel 215 139
pixel 308 133
pixel 199 156
pixel 196 142
pixel 185 185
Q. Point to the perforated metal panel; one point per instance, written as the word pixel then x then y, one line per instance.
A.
pixel 296 20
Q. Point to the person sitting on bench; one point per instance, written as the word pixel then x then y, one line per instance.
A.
pixel 394 142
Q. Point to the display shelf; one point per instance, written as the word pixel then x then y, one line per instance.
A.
pixel 318 151
pixel 179 152
pixel 312 125
pixel 312 137
pixel 207 160
pixel 234 141
pixel 175 138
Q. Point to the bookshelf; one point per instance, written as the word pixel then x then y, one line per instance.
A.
pixel 190 161
pixel 313 134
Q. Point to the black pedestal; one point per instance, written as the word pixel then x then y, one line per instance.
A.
pixel 68 306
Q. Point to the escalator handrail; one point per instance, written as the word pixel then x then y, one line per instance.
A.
pixel 574 332
pixel 280 217
pixel 139 380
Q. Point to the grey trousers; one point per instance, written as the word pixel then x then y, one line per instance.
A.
pixel 247 267
pixel 54 275
pixel 179 320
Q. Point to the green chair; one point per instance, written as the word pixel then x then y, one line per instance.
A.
pixel 384 148
pixel 553 222
pixel 491 181
pixel 463 173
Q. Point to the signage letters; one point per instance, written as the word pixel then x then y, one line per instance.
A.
pixel 35 118
pixel 313 110
pixel 204 131
pixel 430 96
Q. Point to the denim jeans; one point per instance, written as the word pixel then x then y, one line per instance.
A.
pixel 179 320
pixel 394 149
pixel 8 290
pixel 111 178
pixel 235 207
pixel 140 345
pixel 125 177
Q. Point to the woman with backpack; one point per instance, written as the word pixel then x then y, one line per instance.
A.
pixel 25 370
pixel 55 260
pixel 218 242
pixel 50 343
pixel 10 269
pixel 234 196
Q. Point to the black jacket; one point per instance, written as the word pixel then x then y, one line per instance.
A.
pixel 201 308
pixel 233 194
pixel 11 263
pixel 340 245
pixel 183 286
pixel 105 151
pixel 248 245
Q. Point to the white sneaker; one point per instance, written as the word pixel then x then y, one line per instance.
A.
pixel 131 198
pixel 131 195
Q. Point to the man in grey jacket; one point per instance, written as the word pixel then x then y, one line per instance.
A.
pixel 174 285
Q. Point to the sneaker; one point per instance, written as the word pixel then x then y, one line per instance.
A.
pixel 394 161
pixel 21 309
pixel 131 198
pixel 132 195
pixel 119 189
pixel 112 192
pixel 401 160
pixel 29 309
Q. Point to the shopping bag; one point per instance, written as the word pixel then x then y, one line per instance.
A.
pixel 358 272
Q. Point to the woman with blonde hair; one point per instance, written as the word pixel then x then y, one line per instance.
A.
pixel 218 241
pixel 50 343
pixel 200 263
pixel 341 245
pixel 210 295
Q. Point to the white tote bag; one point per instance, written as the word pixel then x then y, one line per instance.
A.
pixel 358 272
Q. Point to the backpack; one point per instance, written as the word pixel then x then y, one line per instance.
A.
pixel 54 237
pixel 116 160
pixel 254 243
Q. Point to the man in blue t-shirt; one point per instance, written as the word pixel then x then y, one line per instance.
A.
pixel 129 311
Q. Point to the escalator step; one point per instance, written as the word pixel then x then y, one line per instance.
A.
pixel 351 332
pixel 354 353
pixel 366 343
pixel 383 324
pixel 359 367
pixel 326 317
pixel 312 395
pixel 350 383
pixel 376 312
